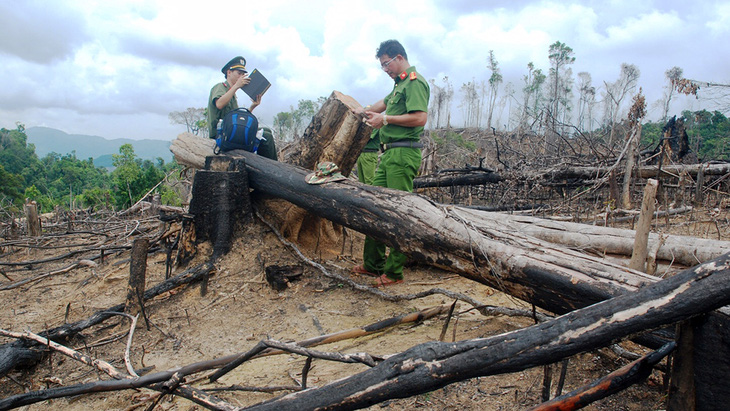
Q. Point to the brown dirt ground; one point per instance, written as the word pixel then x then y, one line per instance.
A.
pixel 241 309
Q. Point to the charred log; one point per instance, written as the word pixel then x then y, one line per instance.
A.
pixel 220 201
pixel 457 179
pixel 615 382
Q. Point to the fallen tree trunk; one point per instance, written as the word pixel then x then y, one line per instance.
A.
pixel 430 366
pixel 552 277
pixel 688 251
pixel 457 179
pixel 653 171
pixel 684 250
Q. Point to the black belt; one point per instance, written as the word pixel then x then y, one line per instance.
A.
pixel 406 143
pixel 370 150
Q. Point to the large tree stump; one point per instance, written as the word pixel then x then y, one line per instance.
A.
pixel 638 257
pixel 34 223
pixel 137 276
pixel 220 201
pixel 335 134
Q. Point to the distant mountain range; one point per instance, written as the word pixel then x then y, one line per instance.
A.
pixel 47 140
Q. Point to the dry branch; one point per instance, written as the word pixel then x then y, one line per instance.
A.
pixel 617 381
pixel 263 348
pixel 334 337
pixel 102 366
pixel 80 263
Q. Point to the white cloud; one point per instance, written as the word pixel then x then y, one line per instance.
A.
pixel 117 68
pixel 719 22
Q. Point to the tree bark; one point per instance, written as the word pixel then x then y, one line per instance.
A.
pixel 137 277
pixel 617 381
pixel 335 134
pixel 652 171
pixel 687 251
pixel 698 200
pixel 682 383
pixel 220 201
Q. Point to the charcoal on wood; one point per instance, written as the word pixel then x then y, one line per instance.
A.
pixel 279 277
pixel 134 303
pixel 220 201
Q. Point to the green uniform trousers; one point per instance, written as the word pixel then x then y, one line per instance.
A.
pixel 366 165
pixel 397 169
pixel 267 148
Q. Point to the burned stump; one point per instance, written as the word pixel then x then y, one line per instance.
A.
pixel 220 201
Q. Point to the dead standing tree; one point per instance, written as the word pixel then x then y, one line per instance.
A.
pixel 636 114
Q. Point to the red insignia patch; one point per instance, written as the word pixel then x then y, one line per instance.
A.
pixel 413 75
pixel 403 75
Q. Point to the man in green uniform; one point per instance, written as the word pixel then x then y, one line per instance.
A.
pixel 223 99
pixel 400 118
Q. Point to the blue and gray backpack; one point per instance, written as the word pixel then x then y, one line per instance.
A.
pixel 238 132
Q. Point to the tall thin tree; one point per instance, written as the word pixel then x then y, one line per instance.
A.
pixel 495 79
pixel 560 56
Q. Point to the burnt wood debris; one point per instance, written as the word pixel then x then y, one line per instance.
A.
pixel 557 266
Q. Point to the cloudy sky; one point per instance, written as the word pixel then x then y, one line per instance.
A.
pixel 117 68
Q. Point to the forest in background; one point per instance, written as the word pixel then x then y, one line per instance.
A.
pixel 67 182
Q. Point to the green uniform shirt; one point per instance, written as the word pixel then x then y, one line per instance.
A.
pixel 410 93
pixel 214 114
